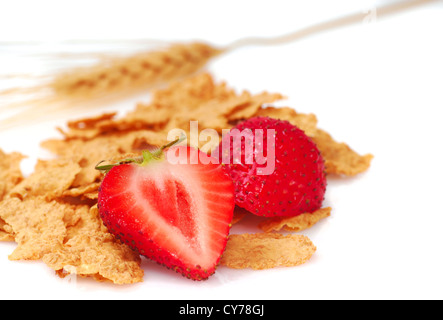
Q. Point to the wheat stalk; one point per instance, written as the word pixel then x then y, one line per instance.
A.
pixel 138 71
pixel 118 77
pixel 107 81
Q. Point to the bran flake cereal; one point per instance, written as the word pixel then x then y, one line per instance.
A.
pixel 37 225
pixel 10 173
pixel 339 157
pixel 297 223
pixel 52 214
pixel 266 250
pixel 90 250
pixel 10 176
pixel 49 179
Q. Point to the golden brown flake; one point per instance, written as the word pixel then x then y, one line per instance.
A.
pixel 90 250
pixel 96 256
pixel 82 191
pixel 92 122
pixel 10 176
pixel 339 157
pixel 216 114
pixel 37 225
pixel 305 122
pixel 68 238
pixel 49 179
pixel 191 93
pixel 297 223
pixel 5 231
pixel 266 250
pixel 86 154
pixel 10 173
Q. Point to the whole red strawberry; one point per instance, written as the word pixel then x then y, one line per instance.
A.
pixel 290 182
pixel 170 207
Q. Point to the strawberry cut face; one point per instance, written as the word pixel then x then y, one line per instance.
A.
pixel 176 214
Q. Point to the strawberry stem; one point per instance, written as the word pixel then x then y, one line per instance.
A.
pixel 159 152
pixel 147 156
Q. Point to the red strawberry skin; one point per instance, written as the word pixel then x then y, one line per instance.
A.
pixel 178 215
pixel 298 182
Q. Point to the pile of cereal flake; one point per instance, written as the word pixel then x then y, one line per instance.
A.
pixel 52 214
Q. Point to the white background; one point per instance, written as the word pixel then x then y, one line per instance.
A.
pixel 377 86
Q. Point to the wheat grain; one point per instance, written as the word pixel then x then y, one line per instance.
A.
pixel 119 77
pixel 137 71
pixel 107 81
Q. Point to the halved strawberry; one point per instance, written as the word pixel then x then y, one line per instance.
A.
pixel 178 215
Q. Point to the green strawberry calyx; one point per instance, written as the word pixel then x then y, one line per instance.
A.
pixel 146 157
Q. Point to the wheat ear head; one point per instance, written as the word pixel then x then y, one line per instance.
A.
pixel 137 71
pixel 107 81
